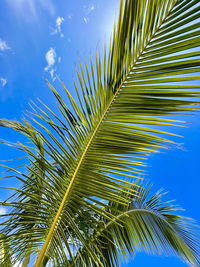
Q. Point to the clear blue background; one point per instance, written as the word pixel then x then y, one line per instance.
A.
pixel 29 29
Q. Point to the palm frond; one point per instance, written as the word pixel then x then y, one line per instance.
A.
pixel 80 158
pixel 150 224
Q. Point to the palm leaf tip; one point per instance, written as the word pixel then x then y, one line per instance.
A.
pixel 79 159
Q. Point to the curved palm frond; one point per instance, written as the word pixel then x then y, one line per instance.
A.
pixel 147 223
pixel 80 158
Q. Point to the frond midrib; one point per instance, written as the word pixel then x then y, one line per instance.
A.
pixel 56 220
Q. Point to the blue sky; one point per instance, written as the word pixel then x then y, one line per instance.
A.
pixel 45 38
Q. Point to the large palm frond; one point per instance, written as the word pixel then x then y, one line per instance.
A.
pixel 79 159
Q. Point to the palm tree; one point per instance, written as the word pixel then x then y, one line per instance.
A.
pixel 80 203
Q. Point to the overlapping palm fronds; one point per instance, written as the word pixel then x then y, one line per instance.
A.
pixel 80 160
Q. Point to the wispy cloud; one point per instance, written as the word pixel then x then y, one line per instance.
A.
pixel 87 10
pixel 91 7
pixel 53 74
pixel 28 9
pixel 59 22
pixel 51 59
pixel 3 82
pixel 3 45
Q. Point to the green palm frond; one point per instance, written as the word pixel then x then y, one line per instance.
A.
pixel 79 159
pixel 5 255
pixel 147 223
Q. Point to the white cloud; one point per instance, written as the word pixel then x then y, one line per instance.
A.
pixel 50 58
pixel 87 10
pixel 52 73
pixel 59 59
pixel 3 81
pixel 92 7
pixel 3 45
pixel 59 22
pixel 2 211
